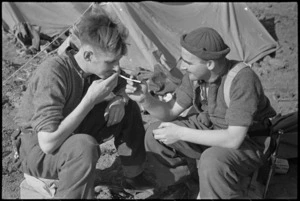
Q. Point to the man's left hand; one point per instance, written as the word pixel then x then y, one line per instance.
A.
pixel 167 133
pixel 114 111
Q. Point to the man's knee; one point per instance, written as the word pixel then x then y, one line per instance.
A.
pixel 213 162
pixel 149 135
pixel 133 115
pixel 85 146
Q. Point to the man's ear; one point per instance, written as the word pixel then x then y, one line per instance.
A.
pixel 87 55
pixel 210 65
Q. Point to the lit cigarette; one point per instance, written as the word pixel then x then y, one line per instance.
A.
pixel 126 78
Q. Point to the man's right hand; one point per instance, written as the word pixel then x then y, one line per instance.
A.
pixel 136 91
pixel 100 89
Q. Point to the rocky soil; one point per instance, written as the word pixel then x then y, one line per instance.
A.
pixel 278 73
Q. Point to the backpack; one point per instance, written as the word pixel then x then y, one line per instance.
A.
pixel 280 124
pixel 230 76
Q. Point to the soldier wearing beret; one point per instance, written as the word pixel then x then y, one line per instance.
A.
pixel 225 150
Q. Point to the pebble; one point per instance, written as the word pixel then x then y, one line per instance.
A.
pixel 256 65
pixel 267 58
pixel 8 94
pixel 277 63
pixel 275 96
pixel 23 87
pixel 5 100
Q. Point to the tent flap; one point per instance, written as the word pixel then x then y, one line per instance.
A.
pixel 156 26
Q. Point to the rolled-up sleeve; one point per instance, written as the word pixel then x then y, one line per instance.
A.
pixel 49 97
pixel 245 94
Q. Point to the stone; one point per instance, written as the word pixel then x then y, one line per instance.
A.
pixel 277 63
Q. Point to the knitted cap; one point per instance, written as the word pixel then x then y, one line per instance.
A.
pixel 205 43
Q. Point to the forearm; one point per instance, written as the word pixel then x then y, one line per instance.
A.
pixel 220 138
pixel 49 142
pixel 160 110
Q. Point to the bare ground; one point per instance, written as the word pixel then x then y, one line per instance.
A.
pixel 278 72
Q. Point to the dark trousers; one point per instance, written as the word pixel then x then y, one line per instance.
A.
pixel 74 163
pixel 219 169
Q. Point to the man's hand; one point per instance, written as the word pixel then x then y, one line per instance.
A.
pixel 100 89
pixel 204 118
pixel 136 91
pixel 168 133
pixel 114 111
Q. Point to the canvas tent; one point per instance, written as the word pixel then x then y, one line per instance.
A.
pixel 155 26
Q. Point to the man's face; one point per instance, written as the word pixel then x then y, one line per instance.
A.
pixel 104 64
pixel 196 67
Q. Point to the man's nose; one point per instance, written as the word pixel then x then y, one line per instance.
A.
pixel 117 68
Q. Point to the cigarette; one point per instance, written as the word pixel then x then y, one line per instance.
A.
pixel 126 78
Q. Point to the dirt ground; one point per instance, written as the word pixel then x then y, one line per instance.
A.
pixel 278 73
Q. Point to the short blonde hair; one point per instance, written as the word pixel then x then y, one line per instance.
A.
pixel 101 32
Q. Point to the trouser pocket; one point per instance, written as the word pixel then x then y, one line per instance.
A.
pixel 16 143
pixel 23 142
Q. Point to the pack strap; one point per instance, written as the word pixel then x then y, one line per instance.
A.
pixel 228 80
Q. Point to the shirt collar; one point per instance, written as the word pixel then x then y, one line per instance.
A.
pixel 75 65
